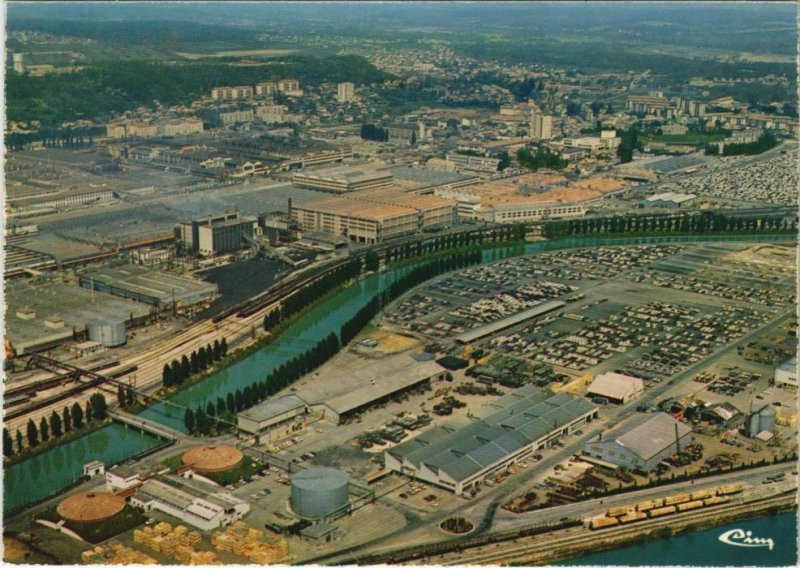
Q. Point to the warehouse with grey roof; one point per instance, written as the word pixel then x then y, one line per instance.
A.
pixel 510 428
pixel 642 442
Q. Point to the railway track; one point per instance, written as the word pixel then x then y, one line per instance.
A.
pixel 543 547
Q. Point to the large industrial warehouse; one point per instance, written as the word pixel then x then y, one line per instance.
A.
pixel 513 427
pixel 376 215
pixel 642 442
pixel 159 289
pixel 42 316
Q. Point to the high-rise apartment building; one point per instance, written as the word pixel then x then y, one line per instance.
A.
pixel 345 92
pixel 541 126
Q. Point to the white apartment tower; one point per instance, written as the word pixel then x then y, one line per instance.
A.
pixel 541 126
pixel 345 92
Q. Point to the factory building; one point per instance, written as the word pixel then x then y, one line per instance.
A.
pixel 616 388
pixel 217 234
pixel 199 504
pixel 670 200
pixel 343 181
pixel 513 427
pixel 159 289
pixel 641 443
pixel 375 216
pixel 473 163
pixel 273 419
pixel 367 385
pixel 786 374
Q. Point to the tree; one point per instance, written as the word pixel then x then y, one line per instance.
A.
pixel 77 415
pixel 99 406
pixel 188 420
pixel 221 408
pixel 224 347
pixel 122 399
pixel 210 410
pixel 44 429
pixel 166 375
pixel 371 261
pixel 8 443
pixel 505 161
pixel 33 434
pixel 20 444
pixel 56 426
pixel 230 403
pixel 217 352
pixel 87 411
pixel 66 416
pixel 413 138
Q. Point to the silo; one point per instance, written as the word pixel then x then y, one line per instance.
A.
pixel 318 491
pixel 766 421
pixel 110 331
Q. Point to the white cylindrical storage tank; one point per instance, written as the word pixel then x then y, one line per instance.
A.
pixel 318 491
pixel 109 331
pixel 767 420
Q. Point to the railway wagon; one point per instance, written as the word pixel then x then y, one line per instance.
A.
pixel 690 506
pixel 632 517
pixel 703 494
pixel 603 522
pixel 645 506
pixel 675 499
pixel 729 489
pixel 711 501
pixel 661 511
pixel 617 511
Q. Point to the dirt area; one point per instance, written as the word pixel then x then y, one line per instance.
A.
pixel 17 552
pixel 389 343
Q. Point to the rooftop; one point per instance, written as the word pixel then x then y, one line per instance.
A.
pixel 163 286
pixel 615 385
pixel 349 382
pixel 517 419
pixel 274 407
pixel 647 434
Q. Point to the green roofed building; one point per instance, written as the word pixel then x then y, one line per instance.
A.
pixel 459 457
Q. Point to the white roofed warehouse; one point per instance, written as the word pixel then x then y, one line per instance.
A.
pixel 616 387
pixel 513 427
pixel 642 442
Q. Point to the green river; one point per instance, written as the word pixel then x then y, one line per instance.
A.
pixel 52 471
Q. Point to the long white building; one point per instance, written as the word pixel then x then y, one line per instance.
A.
pixel 199 504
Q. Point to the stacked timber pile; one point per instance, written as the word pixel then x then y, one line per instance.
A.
pixel 251 543
pixel 115 554
pixel 178 543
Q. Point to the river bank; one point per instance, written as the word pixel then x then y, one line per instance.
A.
pixel 310 327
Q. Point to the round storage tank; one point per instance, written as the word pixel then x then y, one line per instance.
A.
pixel 318 491
pixel 108 331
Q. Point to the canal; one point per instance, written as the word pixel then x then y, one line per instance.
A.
pixel 48 473
pixel 25 482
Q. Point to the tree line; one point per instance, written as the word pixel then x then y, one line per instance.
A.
pixel 628 143
pixel 71 418
pixel 177 372
pixel 372 132
pixel 312 292
pixel 202 420
pixel 765 142
pixel 705 222
pixel 475 237
pixel 544 158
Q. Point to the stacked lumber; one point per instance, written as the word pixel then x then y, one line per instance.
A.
pixel 178 543
pixel 115 554
pixel 242 540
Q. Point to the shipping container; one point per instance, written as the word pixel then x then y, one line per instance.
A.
pixel 632 517
pixel 675 499
pixel 645 506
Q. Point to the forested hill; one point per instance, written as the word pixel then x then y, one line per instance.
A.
pixel 101 90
